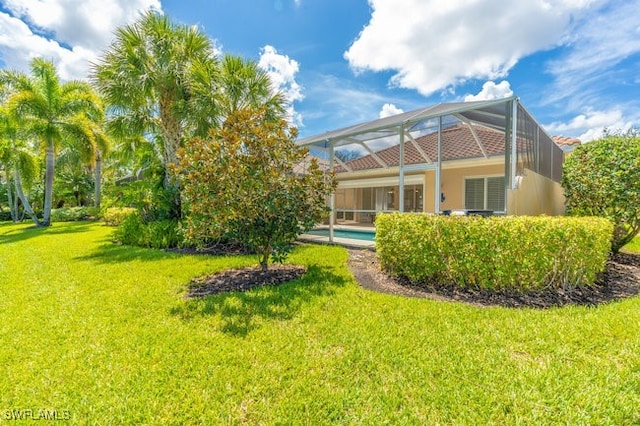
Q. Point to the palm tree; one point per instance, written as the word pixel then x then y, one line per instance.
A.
pixel 232 85
pixel 145 79
pixel 162 82
pixel 55 114
pixel 19 163
pixel 244 85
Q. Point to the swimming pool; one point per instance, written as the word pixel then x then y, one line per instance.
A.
pixel 363 235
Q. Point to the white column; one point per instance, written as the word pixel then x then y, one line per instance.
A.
pixel 401 166
pixel 514 143
pixel 438 189
pixel 332 197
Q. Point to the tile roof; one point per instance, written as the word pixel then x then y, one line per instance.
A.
pixel 566 144
pixel 457 143
pixel 562 140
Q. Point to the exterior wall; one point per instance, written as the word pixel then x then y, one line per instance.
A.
pixel 536 195
pixel 452 184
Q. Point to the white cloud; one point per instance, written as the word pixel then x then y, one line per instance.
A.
pixel 70 32
pixel 591 124
pixel 282 70
pixel 599 42
pixel 432 45
pixel 388 110
pixel 490 91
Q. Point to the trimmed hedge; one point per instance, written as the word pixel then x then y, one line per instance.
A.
pixel 496 253
pixel 114 216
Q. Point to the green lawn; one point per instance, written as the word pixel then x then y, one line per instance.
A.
pixel 634 245
pixel 103 331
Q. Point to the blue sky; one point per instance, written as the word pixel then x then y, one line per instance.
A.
pixel 575 64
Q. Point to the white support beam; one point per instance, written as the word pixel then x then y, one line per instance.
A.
pixel 514 142
pixel 370 151
pixel 332 197
pixel 474 133
pixel 438 189
pixel 417 147
pixel 401 164
pixel 343 164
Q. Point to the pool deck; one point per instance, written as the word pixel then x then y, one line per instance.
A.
pixel 346 242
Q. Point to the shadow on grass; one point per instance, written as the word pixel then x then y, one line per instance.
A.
pixel 242 312
pixel 110 252
pixel 27 232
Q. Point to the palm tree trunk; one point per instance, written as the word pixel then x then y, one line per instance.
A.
pixel 25 202
pixel 172 136
pixel 98 180
pixel 13 207
pixel 48 184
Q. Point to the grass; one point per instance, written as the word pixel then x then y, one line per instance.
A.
pixel 634 245
pixel 104 332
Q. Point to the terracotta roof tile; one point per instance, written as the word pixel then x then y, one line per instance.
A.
pixel 457 143
pixel 563 141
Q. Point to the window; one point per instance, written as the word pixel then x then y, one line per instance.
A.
pixel 484 193
pixel 413 199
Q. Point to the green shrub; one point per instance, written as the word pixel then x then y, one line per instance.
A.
pixel 72 214
pixel 602 178
pixel 135 231
pixel 496 253
pixel 114 216
pixel 241 185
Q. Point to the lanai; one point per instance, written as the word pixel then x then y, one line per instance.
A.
pixel 526 145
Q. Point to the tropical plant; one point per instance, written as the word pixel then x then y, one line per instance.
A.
pixel 240 185
pixel 164 84
pixel 243 85
pixel 145 78
pixel 55 115
pixel 19 164
pixel 602 178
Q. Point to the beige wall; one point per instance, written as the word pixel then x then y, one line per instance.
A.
pixel 536 195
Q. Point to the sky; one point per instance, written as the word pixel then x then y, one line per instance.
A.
pixel 574 64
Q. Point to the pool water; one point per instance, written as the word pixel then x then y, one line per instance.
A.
pixel 344 233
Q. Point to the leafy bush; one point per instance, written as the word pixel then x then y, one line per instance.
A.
pixel 72 214
pixel 114 216
pixel 496 253
pixel 135 231
pixel 5 216
pixel 602 178
pixel 241 186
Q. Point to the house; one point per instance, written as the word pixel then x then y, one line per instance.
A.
pixel 488 157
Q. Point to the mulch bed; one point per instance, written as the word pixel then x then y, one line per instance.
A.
pixel 243 279
pixel 621 279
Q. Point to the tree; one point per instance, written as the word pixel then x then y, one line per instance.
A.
pixel 55 114
pixel 347 155
pixel 602 178
pixel 145 77
pixel 19 163
pixel 239 185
